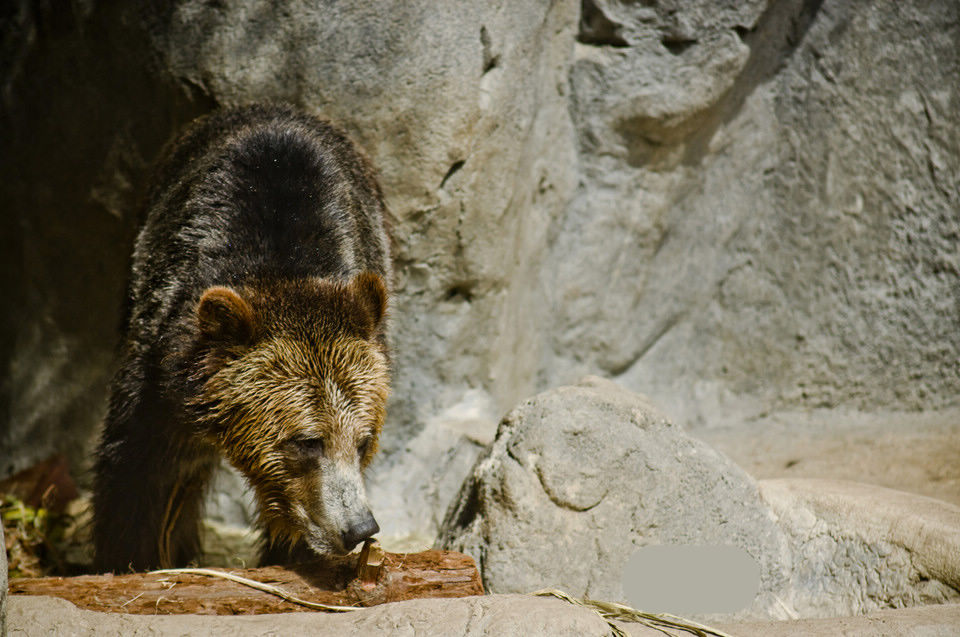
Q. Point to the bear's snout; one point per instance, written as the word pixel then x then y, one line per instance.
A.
pixel 359 530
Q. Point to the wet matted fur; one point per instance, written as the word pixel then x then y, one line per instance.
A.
pixel 255 331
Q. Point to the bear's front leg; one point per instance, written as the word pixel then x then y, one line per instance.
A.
pixel 150 479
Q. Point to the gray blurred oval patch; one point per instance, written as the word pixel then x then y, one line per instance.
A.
pixel 691 579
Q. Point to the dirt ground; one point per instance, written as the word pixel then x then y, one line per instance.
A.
pixel 917 453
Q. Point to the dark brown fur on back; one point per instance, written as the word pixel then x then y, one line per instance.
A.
pixel 255 331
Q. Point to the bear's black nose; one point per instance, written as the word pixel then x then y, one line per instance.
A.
pixel 359 530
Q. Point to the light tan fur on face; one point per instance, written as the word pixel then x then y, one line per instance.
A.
pixel 296 386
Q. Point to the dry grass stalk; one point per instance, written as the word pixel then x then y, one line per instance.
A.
pixel 611 611
pixel 260 586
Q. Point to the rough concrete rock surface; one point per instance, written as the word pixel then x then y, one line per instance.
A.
pixel 917 452
pixel 462 108
pixel 580 477
pixel 734 207
pixel 859 548
pixel 770 197
pixel 492 615
pixel 942 620
pixel 499 615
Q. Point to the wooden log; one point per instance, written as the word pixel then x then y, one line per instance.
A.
pixel 333 581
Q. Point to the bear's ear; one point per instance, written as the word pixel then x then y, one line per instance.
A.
pixel 224 315
pixel 370 294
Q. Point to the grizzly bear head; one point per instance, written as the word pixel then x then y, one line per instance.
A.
pixel 293 379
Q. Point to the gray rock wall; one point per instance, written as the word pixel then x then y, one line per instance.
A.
pixel 733 207
pixel 773 193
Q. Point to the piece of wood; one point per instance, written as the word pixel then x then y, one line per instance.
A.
pixel 370 564
pixel 400 576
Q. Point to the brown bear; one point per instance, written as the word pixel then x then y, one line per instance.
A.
pixel 254 331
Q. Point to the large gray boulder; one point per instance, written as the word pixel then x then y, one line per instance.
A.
pixel 580 477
